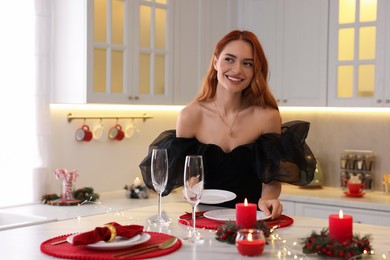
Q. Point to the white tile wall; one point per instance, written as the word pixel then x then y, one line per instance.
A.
pixel 108 166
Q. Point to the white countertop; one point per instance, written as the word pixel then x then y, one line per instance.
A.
pixel 24 243
pixel 117 201
pixel 336 197
pixel 108 203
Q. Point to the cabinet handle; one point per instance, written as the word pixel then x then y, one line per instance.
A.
pixel 387 101
pixel 284 100
pixel 378 101
pixel 278 100
pixel 133 98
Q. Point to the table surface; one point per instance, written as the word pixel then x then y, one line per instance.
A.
pixel 24 243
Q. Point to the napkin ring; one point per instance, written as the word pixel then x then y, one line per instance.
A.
pixel 113 232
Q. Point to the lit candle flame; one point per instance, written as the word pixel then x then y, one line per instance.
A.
pixel 250 237
pixel 245 202
pixel 137 181
pixel 341 215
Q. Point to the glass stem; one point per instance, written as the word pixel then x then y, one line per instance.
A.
pixel 193 221
pixel 159 206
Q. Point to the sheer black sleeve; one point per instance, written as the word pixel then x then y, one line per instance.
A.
pixel 285 157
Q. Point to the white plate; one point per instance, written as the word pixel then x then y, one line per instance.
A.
pixel 229 214
pixel 118 243
pixel 216 196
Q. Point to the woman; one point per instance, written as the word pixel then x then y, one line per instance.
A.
pixel 234 123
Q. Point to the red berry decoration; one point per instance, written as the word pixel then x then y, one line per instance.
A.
pixel 322 245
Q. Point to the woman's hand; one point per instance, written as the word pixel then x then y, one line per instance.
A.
pixel 269 202
pixel 271 207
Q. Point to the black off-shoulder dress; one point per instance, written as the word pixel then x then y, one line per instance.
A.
pixel 281 157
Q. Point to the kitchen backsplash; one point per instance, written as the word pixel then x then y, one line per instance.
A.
pixel 109 165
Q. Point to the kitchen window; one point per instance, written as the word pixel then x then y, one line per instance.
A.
pixel 24 105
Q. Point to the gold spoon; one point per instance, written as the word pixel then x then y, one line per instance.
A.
pixel 163 245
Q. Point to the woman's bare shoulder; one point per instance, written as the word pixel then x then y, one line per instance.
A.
pixel 188 119
pixel 191 111
pixel 269 118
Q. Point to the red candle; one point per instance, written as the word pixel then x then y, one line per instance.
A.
pixel 246 215
pixel 250 247
pixel 340 227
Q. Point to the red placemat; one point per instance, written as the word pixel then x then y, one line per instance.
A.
pixel 203 222
pixel 282 221
pixel 69 251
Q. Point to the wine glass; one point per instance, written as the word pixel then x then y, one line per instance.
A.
pixel 193 187
pixel 159 172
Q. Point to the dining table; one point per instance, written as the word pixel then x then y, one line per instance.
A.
pixel 286 243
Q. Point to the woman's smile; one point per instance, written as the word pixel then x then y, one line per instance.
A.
pixel 234 65
pixel 234 79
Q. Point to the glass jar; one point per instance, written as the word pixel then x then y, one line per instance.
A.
pixel 250 242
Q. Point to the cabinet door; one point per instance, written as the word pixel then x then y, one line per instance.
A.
pixel 69 52
pixel 187 72
pixel 357 53
pixel 288 208
pixel 265 19
pixel 294 38
pixel 305 38
pixel 108 47
pixel 359 215
pixel 153 55
pixel 386 72
pixel 199 25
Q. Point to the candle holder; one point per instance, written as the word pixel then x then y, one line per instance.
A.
pixel 250 242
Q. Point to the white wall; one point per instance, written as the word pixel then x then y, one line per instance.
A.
pixel 110 165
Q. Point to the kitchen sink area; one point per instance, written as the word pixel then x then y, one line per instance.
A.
pixel 13 220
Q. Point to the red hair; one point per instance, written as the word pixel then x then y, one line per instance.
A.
pixel 258 93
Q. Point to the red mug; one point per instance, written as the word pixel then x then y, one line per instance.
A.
pixel 83 134
pixel 116 133
pixel 355 188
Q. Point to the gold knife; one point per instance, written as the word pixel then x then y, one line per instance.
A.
pixel 163 245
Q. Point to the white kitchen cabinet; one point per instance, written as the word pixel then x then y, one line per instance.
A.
pixel 386 86
pixel 372 217
pixel 110 69
pixel 199 25
pixel 319 210
pixel 288 208
pixel 357 61
pixel 294 35
pixel 69 52
pixel 193 29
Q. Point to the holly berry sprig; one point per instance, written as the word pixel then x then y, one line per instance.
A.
pixel 322 245
pixel 228 231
